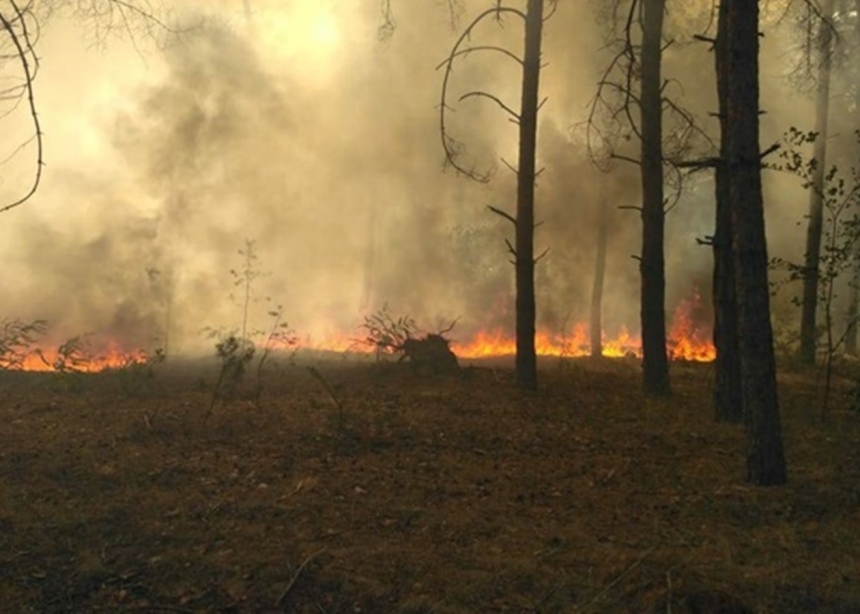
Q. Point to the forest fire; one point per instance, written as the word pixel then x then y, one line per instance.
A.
pixel 685 343
pixel 576 343
pixel 688 339
pixel 74 356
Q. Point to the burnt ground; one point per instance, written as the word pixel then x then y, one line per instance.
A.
pixel 369 488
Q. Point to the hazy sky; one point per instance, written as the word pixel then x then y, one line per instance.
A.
pixel 302 132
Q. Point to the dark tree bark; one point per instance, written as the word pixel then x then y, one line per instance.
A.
pixel 853 304
pixel 596 321
pixel 524 219
pixel 526 361
pixel 738 56
pixel 655 360
pixel 728 404
pixel 854 284
pixel 809 303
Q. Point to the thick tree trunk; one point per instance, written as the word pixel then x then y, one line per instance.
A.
pixel 728 404
pixel 596 321
pixel 739 57
pixel 809 304
pixel 526 361
pixel 655 361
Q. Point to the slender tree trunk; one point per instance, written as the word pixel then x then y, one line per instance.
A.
pixel 167 313
pixel 655 361
pixel 526 361
pixel 808 334
pixel 370 257
pixel 728 404
pixel 739 57
pixel 854 285
pixel 596 324
pixel 853 304
pixel 247 302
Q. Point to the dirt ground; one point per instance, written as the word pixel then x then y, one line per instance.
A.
pixel 351 488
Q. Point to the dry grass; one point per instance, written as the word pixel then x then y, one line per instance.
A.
pixel 418 495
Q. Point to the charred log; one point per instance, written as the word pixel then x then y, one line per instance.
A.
pixel 430 355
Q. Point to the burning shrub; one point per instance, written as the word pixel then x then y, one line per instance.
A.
pixel 76 355
pixel 16 341
pixel 386 333
pixel 389 335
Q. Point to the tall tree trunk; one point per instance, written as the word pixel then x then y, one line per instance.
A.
pixel 728 404
pixel 596 323
pixel 809 303
pixel 369 283
pixel 739 57
pixel 526 361
pixel 655 361
pixel 853 304
pixel 854 285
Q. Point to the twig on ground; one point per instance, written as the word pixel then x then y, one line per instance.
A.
pixel 618 579
pixel 328 388
pixel 295 577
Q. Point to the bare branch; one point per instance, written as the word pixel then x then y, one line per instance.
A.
pixel 699 164
pixel 504 214
pixel 24 48
pixel 624 158
pixel 613 115
pixel 510 167
pixel 468 50
pixel 705 39
pixel 495 99
pixel 770 150
pixel 23 30
pixel 453 148
pixel 553 7
pixel 541 255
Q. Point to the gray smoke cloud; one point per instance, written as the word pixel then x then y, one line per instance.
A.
pixel 330 162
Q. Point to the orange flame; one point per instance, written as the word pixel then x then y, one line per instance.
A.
pixel 110 356
pixel 577 343
pixel 686 341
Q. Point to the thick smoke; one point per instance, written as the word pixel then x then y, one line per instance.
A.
pixel 330 162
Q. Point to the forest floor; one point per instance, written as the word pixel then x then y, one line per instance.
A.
pixel 353 488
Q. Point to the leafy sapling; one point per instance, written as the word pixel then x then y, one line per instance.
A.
pixel 244 278
pixel 280 337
